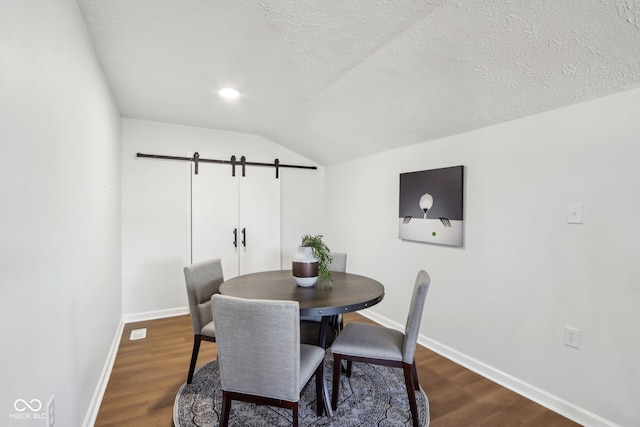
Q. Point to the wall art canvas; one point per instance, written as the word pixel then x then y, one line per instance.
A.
pixel 431 206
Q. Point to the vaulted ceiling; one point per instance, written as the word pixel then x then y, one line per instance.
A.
pixel 336 80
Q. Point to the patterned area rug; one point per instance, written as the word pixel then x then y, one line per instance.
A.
pixel 373 396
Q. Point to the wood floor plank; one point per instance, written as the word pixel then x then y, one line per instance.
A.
pixel 147 374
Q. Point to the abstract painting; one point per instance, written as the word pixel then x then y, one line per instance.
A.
pixel 431 206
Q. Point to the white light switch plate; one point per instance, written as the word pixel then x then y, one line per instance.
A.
pixel 574 213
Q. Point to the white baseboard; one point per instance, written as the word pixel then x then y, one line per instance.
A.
pixel 98 394
pixel 548 400
pixel 157 314
pixel 101 387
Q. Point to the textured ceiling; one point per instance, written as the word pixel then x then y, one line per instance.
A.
pixel 336 80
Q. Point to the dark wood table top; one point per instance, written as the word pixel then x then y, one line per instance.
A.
pixel 346 293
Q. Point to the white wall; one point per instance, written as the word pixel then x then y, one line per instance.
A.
pixel 59 218
pixel 500 303
pixel 155 206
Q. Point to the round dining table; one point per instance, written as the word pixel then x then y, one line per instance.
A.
pixel 344 293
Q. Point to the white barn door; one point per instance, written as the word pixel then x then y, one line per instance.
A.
pixel 236 218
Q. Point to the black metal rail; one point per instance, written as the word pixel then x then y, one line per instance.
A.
pixel 232 161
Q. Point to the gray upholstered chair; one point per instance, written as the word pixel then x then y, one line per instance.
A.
pixel 375 344
pixel 310 324
pixel 260 356
pixel 203 279
pixel 338 262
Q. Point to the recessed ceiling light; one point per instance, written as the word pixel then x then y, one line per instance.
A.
pixel 228 93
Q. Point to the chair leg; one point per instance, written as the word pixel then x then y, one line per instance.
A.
pixel 295 415
pixel 414 371
pixel 194 356
pixel 336 381
pixel 411 392
pixel 319 390
pixel 349 363
pixel 226 408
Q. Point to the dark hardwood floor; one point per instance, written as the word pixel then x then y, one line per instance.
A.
pixel 147 374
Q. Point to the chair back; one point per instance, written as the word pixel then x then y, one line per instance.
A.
pixel 203 279
pixel 338 262
pixel 412 327
pixel 258 346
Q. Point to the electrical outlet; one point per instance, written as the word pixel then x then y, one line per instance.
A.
pixel 51 412
pixel 572 337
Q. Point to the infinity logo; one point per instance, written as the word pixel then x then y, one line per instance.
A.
pixel 21 405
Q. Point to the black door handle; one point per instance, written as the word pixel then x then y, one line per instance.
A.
pixel 235 237
pixel 244 237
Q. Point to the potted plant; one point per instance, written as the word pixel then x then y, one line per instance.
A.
pixel 312 260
